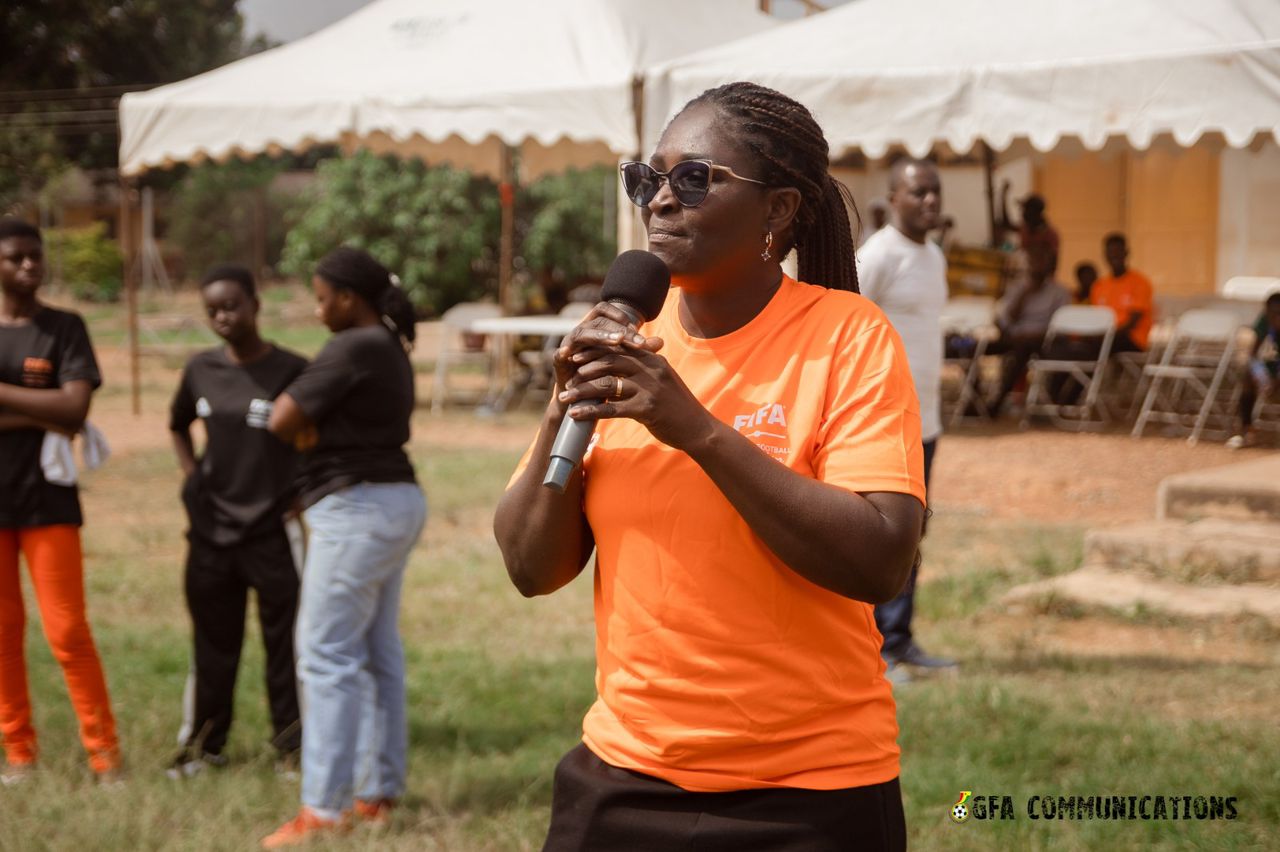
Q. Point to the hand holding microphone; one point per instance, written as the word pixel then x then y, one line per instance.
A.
pixel 636 286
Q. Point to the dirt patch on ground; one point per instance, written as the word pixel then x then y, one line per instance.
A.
pixel 1048 475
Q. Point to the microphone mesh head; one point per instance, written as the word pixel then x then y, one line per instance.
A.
pixel 640 279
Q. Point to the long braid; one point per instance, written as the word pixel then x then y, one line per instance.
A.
pixel 792 151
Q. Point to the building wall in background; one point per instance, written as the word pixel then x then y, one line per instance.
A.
pixel 1249 213
pixel 1164 199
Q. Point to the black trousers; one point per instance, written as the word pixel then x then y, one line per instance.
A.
pixel 218 580
pixel 596 807
pixel 893 619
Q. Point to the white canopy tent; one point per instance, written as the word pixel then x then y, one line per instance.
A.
pixel 449 81
pixel 456 81
pixel 915 73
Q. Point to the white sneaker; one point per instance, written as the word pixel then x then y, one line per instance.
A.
pixel 14 774
pixel 1243 441
pixel 190 763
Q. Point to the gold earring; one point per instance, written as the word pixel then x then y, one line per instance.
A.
pixel 768 244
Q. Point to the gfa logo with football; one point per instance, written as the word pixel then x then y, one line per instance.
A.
pixel 981 807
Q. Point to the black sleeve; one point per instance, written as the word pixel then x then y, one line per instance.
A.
pixel 327 380
pixel 76 361
pixel 296 366
pixel 182 411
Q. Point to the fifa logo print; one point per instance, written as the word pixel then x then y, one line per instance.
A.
pixel 960 810
pixel 769 420
pixel 766 427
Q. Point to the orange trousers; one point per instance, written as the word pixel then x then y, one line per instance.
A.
pixel 56 564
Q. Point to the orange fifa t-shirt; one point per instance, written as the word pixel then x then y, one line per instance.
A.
pixel 1130 292
pixel 718 667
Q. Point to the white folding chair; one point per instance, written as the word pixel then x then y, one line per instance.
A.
pixel 971 320
pixel 1093 322
pixel 455 350
pixel 537 362
pixel 577 310
pixel 1184 384
pixel 1252 289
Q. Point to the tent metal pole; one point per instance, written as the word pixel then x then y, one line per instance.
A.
pixel 506 246
pixel 988 180
pixel 125 235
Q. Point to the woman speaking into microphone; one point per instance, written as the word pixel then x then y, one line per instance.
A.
pixel 754 487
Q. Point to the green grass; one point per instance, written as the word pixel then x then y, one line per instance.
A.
pixel 498 685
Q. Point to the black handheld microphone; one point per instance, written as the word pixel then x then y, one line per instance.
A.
pixel 637 282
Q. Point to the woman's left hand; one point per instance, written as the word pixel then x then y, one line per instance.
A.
pixel 639 384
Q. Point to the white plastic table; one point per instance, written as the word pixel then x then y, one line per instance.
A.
pixel 503 387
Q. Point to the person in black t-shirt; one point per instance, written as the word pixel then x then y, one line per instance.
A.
pixel 236 495
pixel 350 409
pixel 48 373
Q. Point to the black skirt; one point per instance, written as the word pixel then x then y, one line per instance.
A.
pixel 600 808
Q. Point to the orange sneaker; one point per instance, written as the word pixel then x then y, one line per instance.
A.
pixel 376 811
pixel 302 828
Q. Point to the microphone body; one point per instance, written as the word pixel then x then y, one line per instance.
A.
pixel 574 435
pixel 637 283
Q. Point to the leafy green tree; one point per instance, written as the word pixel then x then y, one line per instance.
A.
pixel 437 228
pixel 83 44
pixel 29 159
pixel 564 239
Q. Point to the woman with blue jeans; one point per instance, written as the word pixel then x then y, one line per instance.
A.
pixel 349 411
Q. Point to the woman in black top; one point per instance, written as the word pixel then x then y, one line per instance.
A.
pixel 350 411
pixel 236 495
pixel 47 375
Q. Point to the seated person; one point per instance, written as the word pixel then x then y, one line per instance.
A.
pixel 1086 277
pixel 1023 318
pixel 1034 232
pixel 1128 293
pixel 1260 374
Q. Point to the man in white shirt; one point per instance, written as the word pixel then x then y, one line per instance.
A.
pixel 906 275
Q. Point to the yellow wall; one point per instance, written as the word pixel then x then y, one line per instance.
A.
pixel 1165 199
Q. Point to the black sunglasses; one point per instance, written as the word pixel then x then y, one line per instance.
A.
pixel 690 181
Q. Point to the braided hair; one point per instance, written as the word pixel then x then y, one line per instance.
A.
pixel 348 268
pixel 791 150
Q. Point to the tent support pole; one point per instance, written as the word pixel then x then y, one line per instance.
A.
pixel 988 181
pixel 506 247
pixel 124 233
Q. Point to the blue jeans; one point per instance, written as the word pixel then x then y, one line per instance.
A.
pixel 893 619
pixel 350 661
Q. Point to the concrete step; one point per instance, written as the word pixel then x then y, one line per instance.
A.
pixel 1094 587
pixel 1227 551
pixel 1248 491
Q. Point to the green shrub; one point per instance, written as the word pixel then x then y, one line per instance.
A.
pixel 560 221
pixel 435 227
pixel 86 262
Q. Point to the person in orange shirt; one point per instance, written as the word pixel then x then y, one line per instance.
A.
pixel 754 488
pixel 1128 293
